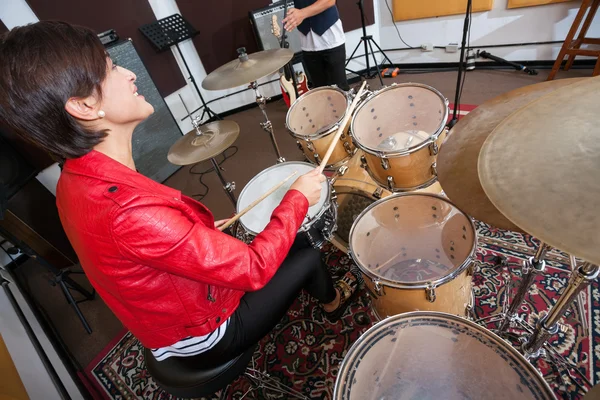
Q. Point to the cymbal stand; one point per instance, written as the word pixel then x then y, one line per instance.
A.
pixel 267 125
pixel 229 187
pixel 548 325
pixel 531 269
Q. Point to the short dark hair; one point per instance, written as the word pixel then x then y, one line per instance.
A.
pixel 42 65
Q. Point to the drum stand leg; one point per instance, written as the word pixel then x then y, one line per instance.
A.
pixel 548 325
pixel 531 268
pixel 267 125
pixel 229 187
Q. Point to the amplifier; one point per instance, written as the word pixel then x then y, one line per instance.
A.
pixel 261 23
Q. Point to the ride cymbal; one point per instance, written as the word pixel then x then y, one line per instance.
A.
pixel 457 159
pixel 193 148
pixel 247 68
pixel 541 167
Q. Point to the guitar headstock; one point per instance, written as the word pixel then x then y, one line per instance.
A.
pixel 275 30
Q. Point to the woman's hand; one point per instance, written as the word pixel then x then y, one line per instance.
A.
pixel 309 185
pixel 294 18
pixel 221 222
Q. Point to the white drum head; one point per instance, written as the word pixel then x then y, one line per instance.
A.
pixel 257 219
pixel 399 118
pixel 411 240
pixel 432 355
pixel 317 111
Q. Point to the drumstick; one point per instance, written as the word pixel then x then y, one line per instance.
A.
pixel 255 202
pixel 341 128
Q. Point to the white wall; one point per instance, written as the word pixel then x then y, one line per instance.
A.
pixel 498 26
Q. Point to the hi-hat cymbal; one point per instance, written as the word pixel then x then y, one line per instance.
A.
pixel 237 72
pixel 541 168
pixel 457 159
pixel 193 148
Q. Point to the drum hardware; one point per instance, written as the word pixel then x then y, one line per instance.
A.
pixel 229 187
pixel 267 126
pixel 430 293
pixel 385 164
pixel 377 193
pixel 580 299
pixel 348 148
pixel 433 149
pixel 434 169
pixel 309 145
pixel 363 162
pixel 390 183
pixel 317 158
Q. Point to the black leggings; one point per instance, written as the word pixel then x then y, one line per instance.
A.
pixel 260 311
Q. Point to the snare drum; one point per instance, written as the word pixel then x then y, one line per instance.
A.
pixel 319 224
pixel 415 250
pixel 400 129
pixel 314 118
pixel 353 191
pixel 432 355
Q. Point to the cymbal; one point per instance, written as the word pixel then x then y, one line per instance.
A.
pixel 540 167
pixel 457 158
pixel 193 148
pixel 237 72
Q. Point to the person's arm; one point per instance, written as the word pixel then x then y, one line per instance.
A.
pixel 152 233
pixel 295 16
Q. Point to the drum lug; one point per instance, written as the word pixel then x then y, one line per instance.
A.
pixel 363 161
pixel 430 293
pixel 377 287
pixel 348 148
pixel 390 183
pixel 299 145
pixel 385 164
pixel 377 193
pixel 342 137
pixel 317 158
pixel 342 170
pixel 333 195
pixel 434 169
pixel 310 146
pixel 433 149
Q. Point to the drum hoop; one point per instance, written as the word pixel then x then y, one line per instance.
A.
pixel 328 129
pixel 264 171
pixel 416 285
pixel 404 152
pixel 345 365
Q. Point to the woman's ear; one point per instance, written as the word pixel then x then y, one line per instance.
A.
pixel 86 109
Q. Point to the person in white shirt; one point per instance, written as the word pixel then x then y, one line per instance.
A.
pixel 322 40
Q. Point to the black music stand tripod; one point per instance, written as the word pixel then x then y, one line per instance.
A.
pixel 368 42
pixel 170 31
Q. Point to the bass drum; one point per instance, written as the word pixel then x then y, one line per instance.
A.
pixel 354 190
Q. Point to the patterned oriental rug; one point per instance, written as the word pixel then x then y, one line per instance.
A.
pixel 304 351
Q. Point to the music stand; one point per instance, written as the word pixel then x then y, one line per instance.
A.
pixel 170 31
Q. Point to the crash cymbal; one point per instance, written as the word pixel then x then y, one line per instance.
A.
pixel 541 168
pixel 457 159
pixel 247 68
pixel 193 148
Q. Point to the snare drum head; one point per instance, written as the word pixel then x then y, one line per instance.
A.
pixel 412 240
pixel 317 111
pixel 398 118
pixel 430 355
pixel 258 217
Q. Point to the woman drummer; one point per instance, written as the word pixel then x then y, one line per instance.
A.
pixel 181 286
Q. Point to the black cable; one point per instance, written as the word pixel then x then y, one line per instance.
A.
pixel 395 26
pixel 201 196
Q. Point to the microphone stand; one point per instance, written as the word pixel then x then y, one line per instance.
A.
pixel 461 65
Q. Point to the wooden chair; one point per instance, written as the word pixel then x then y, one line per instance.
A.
pixel 571 48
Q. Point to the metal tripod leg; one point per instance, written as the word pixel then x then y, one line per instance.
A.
pixel 548 325
pixel 267 125
pixel 532 268
pixel 229 187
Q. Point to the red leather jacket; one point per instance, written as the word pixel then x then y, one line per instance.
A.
pixel 154 255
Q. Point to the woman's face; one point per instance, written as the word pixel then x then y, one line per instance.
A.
pixel 121 102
